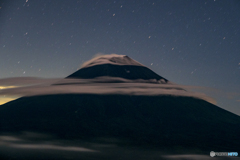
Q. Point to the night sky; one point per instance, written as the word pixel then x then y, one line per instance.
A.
pixel 190 42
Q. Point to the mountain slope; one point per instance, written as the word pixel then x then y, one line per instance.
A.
pixel 123 71
pixel 163 121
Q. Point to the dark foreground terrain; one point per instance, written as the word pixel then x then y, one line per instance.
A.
pixel 77 126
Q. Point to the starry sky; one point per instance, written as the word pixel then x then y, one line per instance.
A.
pixel 188 42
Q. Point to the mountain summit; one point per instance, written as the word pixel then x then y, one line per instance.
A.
pixel 114 59
pixel 116 66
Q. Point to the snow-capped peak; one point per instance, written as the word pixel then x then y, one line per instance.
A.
pixel 111 59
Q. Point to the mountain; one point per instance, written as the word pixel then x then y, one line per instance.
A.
pixel 166 122
pixel 115 66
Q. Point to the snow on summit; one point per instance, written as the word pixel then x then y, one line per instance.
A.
pixel 117 66
pixel 111 59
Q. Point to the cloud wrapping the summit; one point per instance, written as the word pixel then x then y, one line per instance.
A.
pixel 96 86
pixel 150 84
pixel 19 81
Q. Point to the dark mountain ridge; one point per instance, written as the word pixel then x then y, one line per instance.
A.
pixel 163 121
pixel 124 71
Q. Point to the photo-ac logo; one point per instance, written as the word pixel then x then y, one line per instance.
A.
pixel 232 153
pixel 213 154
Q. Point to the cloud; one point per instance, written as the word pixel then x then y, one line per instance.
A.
pixel 51 147
pixel 111 59
pixel 31 145
pixel 96 56
pixel 232 96
pixel 36 141
pixel 22 82
pixel 95 86
pixel 6 87
pixel 18 81
pixel 187 157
